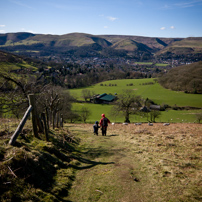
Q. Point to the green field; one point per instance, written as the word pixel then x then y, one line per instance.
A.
pixel 150 63
pixel 171 116
pixel 161 65
pixel 144 63
pixel 154 92
pixel 11 66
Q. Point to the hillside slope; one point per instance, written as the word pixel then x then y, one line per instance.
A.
pixel 189 45
pixel 94 43
pixel 34 169
pixel 186 78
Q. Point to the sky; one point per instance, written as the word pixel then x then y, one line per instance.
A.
pixel 152 18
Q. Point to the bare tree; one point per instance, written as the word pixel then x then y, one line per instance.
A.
pixel 53 100
pixel 85 113
pixel 14 90
pixel 87 94
pixel 127 103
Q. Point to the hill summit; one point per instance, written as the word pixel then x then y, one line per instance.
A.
pixel 87 45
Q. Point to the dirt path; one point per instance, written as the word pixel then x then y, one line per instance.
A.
pixel 112 175
pixel 132 163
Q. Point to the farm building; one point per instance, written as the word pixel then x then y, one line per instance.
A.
pixel 151 107
pixel 155 107
pixel 103 98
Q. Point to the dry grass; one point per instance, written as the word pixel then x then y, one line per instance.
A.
pixel 150 163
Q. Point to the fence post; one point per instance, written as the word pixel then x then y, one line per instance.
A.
pixel 20 126
pixel 34 114
pixel 61 121
pixel 43 116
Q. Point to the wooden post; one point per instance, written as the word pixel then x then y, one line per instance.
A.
pixel 43 116
pixel 34 115
pixel 61 121
pixel 20 126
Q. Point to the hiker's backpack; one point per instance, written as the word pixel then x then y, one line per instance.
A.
pixel 105 122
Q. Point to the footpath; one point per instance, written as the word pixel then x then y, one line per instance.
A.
pixel 138 163
pixel 108 169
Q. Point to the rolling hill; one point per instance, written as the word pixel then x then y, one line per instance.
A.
pixel 187 78
pixel 86 45
pixel 189 45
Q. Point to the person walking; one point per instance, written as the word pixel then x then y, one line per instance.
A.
pixel 96 127
pixel 104 124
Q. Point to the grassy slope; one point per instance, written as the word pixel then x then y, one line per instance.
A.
pixel 185 78
pixel 139 163
pixel 132 163
pixel 171 116
pixel 33 169
pixel 154 92
pixel 185 46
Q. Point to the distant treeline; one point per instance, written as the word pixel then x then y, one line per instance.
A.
pixel 73 75
pixel 76 76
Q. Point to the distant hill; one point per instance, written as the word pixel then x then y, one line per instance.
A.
pixel 187 78
pixel 87 45
pixel 13 62
pixel 186 46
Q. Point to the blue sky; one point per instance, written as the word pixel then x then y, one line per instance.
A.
pixel 153 18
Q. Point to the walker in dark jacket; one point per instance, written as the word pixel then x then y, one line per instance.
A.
pixel 96 127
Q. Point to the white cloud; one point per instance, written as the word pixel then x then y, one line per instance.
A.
pixel 105 27
pixel 24 30
pixel 112 18
pixel 2 25
pixel 172 27
pixel 162 28
pixel 2 31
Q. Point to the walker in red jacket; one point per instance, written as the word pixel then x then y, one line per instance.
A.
pixel 103 124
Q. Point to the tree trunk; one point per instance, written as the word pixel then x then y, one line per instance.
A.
pixel 127 117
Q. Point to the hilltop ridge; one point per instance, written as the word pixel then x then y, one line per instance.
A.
pixel 88 45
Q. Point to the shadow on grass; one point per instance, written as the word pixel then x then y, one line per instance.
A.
pixel 113 135
pixel 88 156
pixel 86 161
